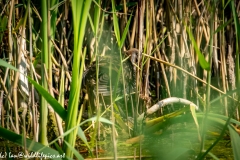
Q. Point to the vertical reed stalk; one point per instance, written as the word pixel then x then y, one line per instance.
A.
pixel 207 102
pixel 44 64
pixel 80 11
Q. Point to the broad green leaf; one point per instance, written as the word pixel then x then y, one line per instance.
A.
pixel 97 12
pixel 58 148
pixel 215 122
pixel 31 145
pixel 91 23
pixel 221 118
pixel 204 64
pixel 125 32
pixel 101 119
pixel 56 6
pixel 193 111
pixel 75 152
pixel 115 24
pixel 177 153
pixel 7 65
pixel 235 141
pixel 80 11
pixel 82 136
pixel 52 101
pixel 213 156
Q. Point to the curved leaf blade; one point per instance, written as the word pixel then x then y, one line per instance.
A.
pixel 52 101
pixel 204 64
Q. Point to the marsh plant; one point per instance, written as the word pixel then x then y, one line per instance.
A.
pixel 72 89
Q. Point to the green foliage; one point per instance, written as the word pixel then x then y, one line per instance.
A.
pixel 51 100
pixel 3 26
pixel 204 64
pixel 7 65
pixel 235 141
pixel 80 11
pixel 167 51
pixel 30 144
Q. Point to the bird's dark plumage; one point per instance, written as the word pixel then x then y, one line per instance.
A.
pixel 118 77
pixel 129 73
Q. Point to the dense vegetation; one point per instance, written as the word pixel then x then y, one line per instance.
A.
pixel 185 102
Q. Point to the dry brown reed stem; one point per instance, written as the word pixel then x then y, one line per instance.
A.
pixel 183 70
pixel 63 60
pixel 141 11
pixel 134 29
pixel 157 54
pixel 149 47
pixel 215 46
pixel 125 19
pixel 173 46
pixel 33 109
pixel 206 34
pixel 6 91
pixel 223 66
pixel 10 41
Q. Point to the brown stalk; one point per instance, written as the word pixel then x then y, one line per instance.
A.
pixel 181 69
pixel 63 60
pixel 206 34
pixel 141 11
pixel 149 41
pixel 14 88
pixel 223 68
pixel 15 84
pixel 32 71
pixel 134 28
pixel 158 55
pixel 6 91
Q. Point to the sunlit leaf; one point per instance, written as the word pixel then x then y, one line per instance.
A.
pixel 101 119
pixel 75 152
pixel 96 16
pixel 213 156
pixel 204 64
pixel 31 145
pixel 82 136
pixel 51 100
pixel 193 111
pixel 7 65
pixel 235 141
pixel 126 29
pixel 115 23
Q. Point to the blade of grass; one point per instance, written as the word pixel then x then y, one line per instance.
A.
pixel 126 29
pixel 204 64
pixel 80 11
pixel 115 23
pixel 31 145
pixel 58 108
pixel 44 83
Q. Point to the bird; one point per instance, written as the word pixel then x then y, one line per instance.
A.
pixel 112 76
